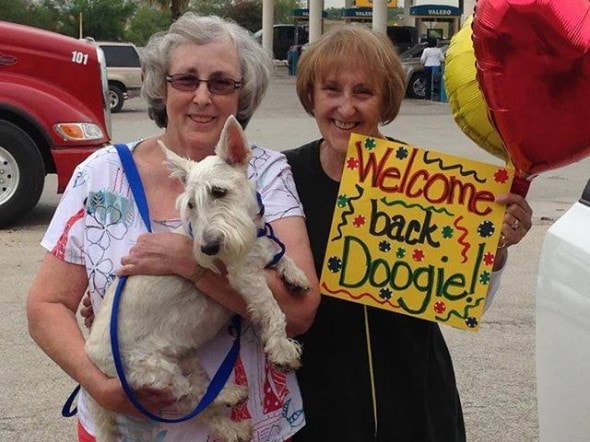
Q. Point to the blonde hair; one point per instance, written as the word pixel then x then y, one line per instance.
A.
pixel 357 47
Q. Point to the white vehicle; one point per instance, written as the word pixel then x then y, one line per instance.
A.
pixel 123 72
pixel 563 327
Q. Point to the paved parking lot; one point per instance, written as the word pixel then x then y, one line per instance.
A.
pixel 495 367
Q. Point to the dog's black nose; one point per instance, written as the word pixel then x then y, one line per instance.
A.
pixel 211 248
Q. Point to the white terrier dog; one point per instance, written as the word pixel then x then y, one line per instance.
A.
pixel 163 319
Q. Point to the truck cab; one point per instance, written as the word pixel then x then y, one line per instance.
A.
pixel 53 112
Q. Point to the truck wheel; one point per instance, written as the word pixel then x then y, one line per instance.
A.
pixel 22 174
pixel 116 98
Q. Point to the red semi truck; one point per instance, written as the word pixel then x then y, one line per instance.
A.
pixel 53 112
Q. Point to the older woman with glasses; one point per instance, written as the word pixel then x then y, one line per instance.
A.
pixel 196 74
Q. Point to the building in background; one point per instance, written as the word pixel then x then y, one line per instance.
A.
pixel 432 18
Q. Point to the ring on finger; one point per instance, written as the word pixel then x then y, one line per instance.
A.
pixel 515 224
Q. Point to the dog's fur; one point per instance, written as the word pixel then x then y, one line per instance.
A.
pixel 163 319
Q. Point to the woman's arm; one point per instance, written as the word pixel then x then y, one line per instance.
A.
pixel 517 222
pixel 51 307
pixel 171 253
pixel 51 313
pixel 299 309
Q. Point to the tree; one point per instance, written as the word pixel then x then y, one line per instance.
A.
pixel 101 19
pixel 147 21
pixel 177 7
pixel 248 13
pixel 334 13
pixel 14 11
pixel 211 7
pixel 42 15
pixel 284 10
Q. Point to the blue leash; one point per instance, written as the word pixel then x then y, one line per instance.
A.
pixel 225 369
pixel 267 231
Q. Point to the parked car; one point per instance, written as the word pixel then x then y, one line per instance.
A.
pixel 123 72
pixel 284 38
pixel 53 112
pixel 563 327
pixel 415 74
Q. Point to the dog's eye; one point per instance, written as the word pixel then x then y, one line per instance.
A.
pixel 190 205
pixel 218 192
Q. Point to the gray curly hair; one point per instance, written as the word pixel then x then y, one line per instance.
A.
pixel 256 64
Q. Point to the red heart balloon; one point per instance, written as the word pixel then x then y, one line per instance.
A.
pixel 533 66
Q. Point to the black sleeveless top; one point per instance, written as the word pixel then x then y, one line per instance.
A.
pixel 415 392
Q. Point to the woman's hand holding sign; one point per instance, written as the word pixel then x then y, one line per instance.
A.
pixel 517 222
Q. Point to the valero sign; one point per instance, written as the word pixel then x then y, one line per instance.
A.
pixel 436 11
pixel 415 231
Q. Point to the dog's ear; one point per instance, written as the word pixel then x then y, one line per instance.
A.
pixel 233 147
pixel 178 166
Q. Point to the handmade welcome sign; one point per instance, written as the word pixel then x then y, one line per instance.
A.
pixel 415 231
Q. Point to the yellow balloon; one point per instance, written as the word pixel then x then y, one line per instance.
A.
pixel 465 98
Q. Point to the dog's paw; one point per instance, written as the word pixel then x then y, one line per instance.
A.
pixel 239 431
pixel 296 289
pixel 231 395
pixel 293 277
pixel 284 353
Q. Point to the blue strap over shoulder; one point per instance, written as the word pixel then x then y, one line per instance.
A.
pixel 135 183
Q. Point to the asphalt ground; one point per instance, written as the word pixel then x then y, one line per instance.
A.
pixel 495 367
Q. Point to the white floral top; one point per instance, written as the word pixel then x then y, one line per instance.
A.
pixel 95 225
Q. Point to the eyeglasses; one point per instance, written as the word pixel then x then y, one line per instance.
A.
pixel 216 85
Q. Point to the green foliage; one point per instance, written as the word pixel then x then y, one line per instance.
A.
pixel 175 7
pixel 147 21
pixel 136 20
pixel 46 16
pixel 210 7
pixel 40 14
pixel 283 12
pixel 334 13
pixel 248 13
pixel 14 11
pixel 101 19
